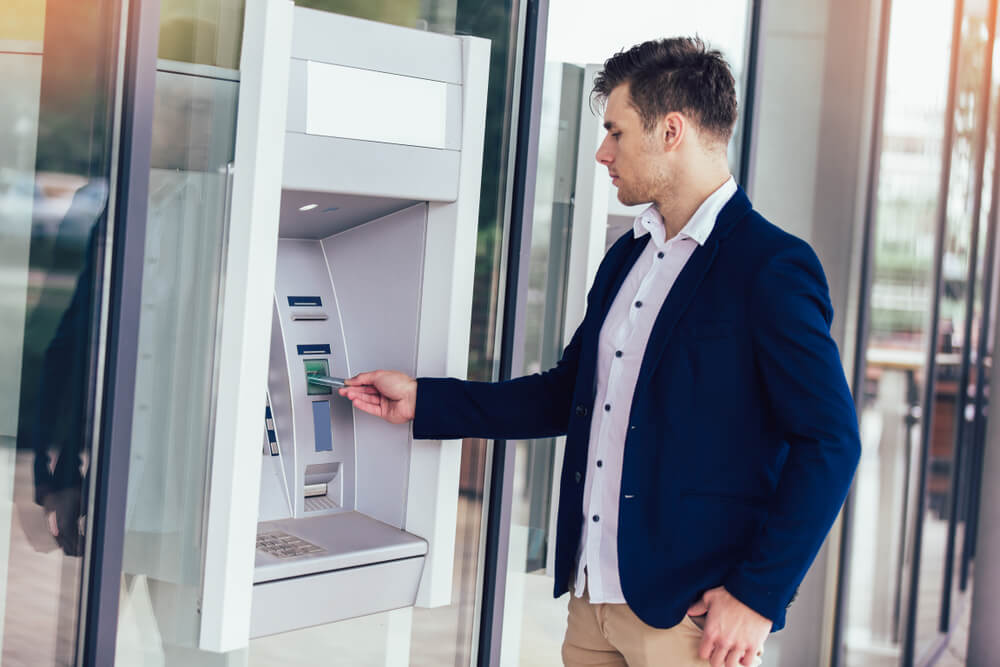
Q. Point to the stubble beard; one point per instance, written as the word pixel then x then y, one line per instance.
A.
pixel 634 195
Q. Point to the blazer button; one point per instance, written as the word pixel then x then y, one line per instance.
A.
pixel 581 410
pixel 578 476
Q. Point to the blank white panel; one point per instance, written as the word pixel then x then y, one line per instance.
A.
pixel 375 106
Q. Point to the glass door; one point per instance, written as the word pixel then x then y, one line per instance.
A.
pixel 58 65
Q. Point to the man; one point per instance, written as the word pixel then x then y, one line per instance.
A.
pixel 711 436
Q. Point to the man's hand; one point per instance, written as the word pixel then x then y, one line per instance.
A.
pixel 734 634
pixel 386 394
pixel 65 519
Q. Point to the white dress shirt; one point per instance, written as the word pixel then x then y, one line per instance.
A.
pixel 620 350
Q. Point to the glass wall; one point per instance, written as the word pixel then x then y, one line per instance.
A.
pixel 57 71
pixel 194 123
pixel 566 223
pixel 924 401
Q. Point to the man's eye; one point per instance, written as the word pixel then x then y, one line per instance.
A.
pixel 616 134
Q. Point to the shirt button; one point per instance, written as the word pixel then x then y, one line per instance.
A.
pixel 618 353
pixel 596 518
pixel 607 407
pixel 600 463
pixel 638 304
pixel 659 255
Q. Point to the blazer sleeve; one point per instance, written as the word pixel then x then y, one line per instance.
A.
pixel 804 385
pixel 533 406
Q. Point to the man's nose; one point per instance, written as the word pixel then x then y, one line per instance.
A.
pixel 602 159
pixel 603 153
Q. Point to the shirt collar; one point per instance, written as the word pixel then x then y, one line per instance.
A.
pixel 698 228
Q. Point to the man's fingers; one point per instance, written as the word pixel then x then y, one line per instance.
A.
pixel 718 657
pixel 749 658
pixel 698 608
pixel 354 395
pixel 707 646
pixel 352 392
pixel 365 399
pixel 370 408
pixel 734 656
pixel 362 378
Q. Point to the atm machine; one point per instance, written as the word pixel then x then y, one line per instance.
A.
pixel 374 267
pixel 351 246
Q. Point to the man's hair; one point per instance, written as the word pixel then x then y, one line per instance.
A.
pixel 676 74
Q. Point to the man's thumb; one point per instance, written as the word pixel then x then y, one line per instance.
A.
pixel 698 608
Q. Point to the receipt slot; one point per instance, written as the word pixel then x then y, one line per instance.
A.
pixel 351 247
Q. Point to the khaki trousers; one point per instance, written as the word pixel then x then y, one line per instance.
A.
pixel 611 634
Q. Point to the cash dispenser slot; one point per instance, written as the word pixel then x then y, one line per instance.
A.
pixel 303 314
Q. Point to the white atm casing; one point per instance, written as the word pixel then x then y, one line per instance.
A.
pixel 390 249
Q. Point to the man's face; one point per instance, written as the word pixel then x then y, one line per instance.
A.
pixel 632 155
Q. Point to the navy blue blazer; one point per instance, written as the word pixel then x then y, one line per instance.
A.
pixel 742 438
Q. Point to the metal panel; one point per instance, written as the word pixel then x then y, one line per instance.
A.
pixel 381 318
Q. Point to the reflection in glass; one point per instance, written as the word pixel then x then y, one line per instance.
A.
pixel 204 32
pixel 56 72
pixel 432 15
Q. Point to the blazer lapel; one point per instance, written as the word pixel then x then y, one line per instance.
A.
pixel 680 296
pixel 686 285
pixel 611 288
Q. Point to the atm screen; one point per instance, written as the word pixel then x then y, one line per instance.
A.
pixel 320 367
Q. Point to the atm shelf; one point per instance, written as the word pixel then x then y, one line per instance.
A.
pixel 348 539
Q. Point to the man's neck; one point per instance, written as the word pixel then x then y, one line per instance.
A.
pixel 678 208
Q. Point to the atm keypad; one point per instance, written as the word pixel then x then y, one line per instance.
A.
pixel 283 545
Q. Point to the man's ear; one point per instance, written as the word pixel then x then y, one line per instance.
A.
pixel 673 128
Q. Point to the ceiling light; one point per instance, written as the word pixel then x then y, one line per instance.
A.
pixel 308 207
